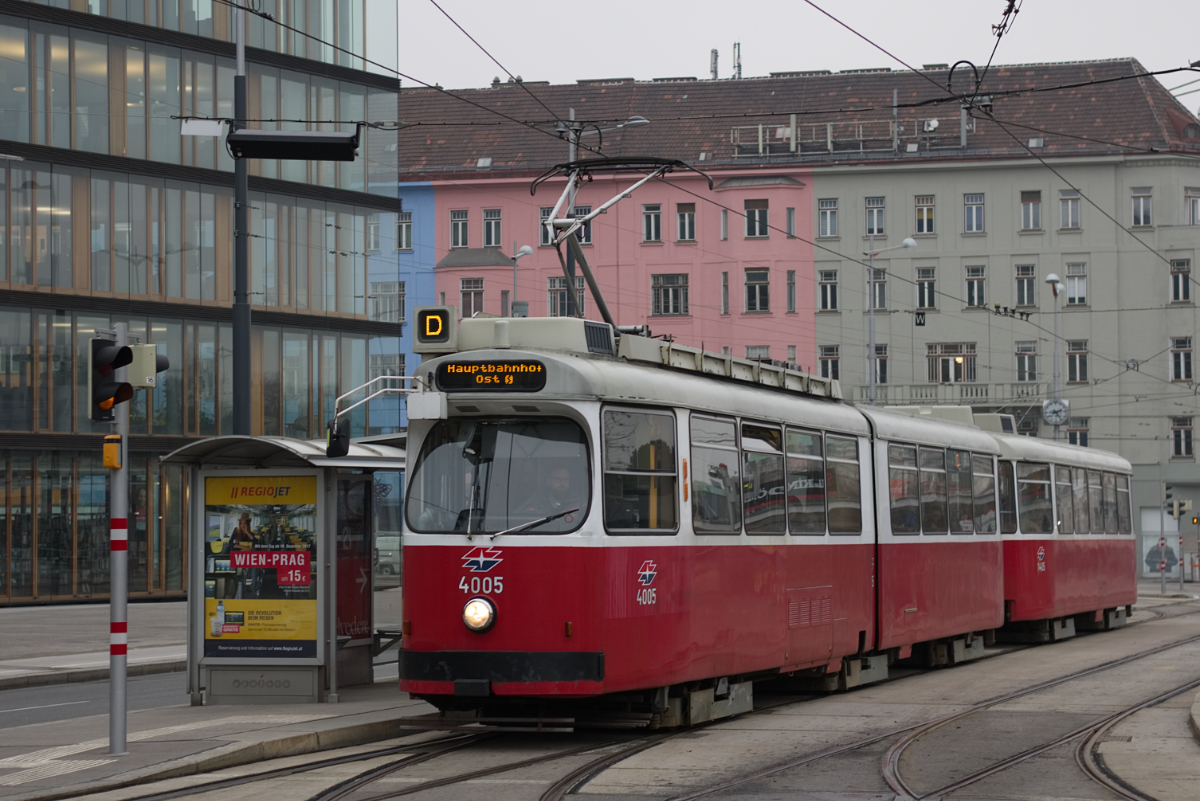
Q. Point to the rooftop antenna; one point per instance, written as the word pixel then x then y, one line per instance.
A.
pixel 737 60
pixel 712 63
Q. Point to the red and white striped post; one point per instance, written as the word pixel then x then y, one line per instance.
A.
pixel 118 531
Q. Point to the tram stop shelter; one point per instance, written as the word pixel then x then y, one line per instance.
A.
pixel 280 578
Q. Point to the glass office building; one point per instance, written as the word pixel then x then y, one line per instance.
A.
pixel 108 214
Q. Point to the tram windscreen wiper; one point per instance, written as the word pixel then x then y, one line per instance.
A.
pixel 525 526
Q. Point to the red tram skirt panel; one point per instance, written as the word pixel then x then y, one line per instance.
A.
pixel 1068 575
pixel 931 588
pixel 583 621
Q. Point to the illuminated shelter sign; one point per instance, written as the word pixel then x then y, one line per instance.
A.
pixel 260 590
pixel 491 376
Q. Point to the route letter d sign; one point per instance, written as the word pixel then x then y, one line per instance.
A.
pixel 437 329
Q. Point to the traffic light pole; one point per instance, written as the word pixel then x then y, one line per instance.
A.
pixel 118 515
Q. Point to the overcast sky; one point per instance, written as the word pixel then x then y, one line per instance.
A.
pixel 647 39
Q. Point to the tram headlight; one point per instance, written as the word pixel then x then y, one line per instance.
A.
pixel 479 614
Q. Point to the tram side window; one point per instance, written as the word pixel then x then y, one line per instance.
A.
pixel 1033 498
pixel 1095 501
pixel 843 485
pixel 716 482
pixel 962 513
pixel 933 490
pixel 1110 503
pixel 806 482
pixel 984 491
pixel 902 489
pixel 764 488
pixel 1124 518
pixel 639 471
pixel 1008 499
pixel 1080 486
pixel 1065 496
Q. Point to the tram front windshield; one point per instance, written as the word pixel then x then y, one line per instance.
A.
pixel 489 475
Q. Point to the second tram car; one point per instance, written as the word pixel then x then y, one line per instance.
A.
pixel 593 516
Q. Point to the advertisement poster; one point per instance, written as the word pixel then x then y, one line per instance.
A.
pixel 354 512
pixel 260 588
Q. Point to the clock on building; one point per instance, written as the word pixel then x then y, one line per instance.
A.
pixel 1055 412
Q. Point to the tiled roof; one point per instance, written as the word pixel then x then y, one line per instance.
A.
pixel 850 109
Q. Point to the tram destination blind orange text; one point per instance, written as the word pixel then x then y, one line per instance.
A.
pixel 515 376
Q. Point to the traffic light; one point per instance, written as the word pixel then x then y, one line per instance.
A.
pixel 145 366
pixel 104 390
pixel 1196 520
pixel 1166 492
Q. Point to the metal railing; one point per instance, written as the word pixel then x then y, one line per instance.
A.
pixel 956 394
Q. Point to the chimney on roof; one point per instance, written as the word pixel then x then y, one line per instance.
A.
pixel 712 63
pixel 495 81
pixel 737 60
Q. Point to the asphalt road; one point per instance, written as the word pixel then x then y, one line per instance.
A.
pixel 27 705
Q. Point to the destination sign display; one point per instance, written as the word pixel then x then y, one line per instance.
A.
pixel 491 376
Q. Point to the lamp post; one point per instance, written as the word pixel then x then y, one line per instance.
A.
pixel 524 251
pixel 1056 287
pixel 573 133
pixel 870 254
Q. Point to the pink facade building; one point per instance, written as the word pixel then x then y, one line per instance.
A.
pixel 728 274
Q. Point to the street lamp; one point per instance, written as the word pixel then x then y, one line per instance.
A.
pixel 1056 287
pixel 524 251
pixel 573 133
pixel 870 254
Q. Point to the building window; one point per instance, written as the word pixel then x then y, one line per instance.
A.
pixel 1192 202
pixel 687 222
pixel 1181 358
pixel 545 230
pixel 472 296
pixel 724 293
pixel 758 352
pixel 387 301
pixel 973 208
pixel 1026 285
pixel 975 294
pixel 924 214
pixel 1077 361
pixel 1069 204
pixel 1181 437
pixel 829 290
pixel 404 231
pixel 491 228
pixel 381 364
pixel 879 289
pixel 1181 280
pixel 372 232
pixel 881 371
pixel 557 300
pixel 791 356
pixel 1031 211
pixel 756 219
pixel 724 224
pixel 1026 361
pixel 829 362
pixel 670 294
pixel 827 217
pixel 1077 431
pixel 652 222
pixel 1141 207
pixel 584 234
pixel 875 216
pixel 925 288
pixel 458 229
pixel 1076 284
pixel 951 363
pixel 758 290
pixel 791 291
pixel 791 221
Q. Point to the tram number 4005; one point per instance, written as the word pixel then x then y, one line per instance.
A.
pixel 647 596
pixel 486 585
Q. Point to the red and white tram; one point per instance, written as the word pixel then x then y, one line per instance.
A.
pixel 591 515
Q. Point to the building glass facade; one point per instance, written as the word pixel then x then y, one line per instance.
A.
pixel 108 214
